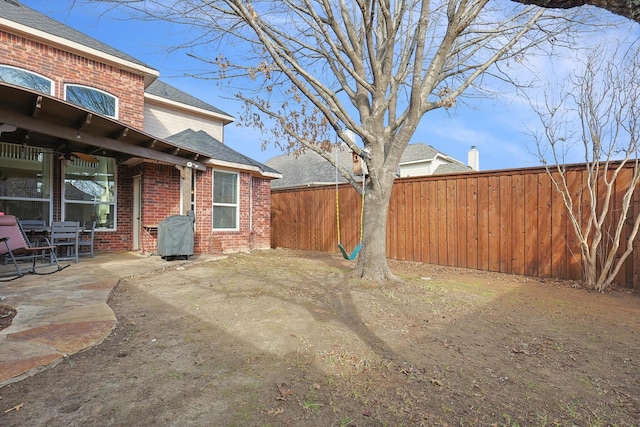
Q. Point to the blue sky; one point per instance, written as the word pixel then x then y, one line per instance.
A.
pixel 497 127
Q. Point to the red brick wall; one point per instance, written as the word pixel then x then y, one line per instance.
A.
pixel 64 67
pixel 254 224
pixel 261 234
pixel 160 192
pixel 204 239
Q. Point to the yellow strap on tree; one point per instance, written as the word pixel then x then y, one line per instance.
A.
pixel 350 256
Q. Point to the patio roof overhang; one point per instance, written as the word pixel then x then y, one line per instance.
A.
pixel 47 122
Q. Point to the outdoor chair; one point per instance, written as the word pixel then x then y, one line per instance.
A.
pixel 33 229
pixel 32 224
pixel 64 235
pixel 85 241
pixel 14 243
pixel 28 224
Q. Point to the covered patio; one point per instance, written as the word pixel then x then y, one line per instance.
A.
pixel 59 161
pixel 66 312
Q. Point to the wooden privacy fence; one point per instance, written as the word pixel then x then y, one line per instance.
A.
pixel 510 221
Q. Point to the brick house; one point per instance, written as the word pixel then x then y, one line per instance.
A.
pixel 89 132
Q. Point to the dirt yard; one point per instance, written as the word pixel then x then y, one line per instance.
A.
pixel 287 338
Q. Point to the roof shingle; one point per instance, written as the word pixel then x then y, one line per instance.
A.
pixel 13 10
pixel 208 146
pixel 166 91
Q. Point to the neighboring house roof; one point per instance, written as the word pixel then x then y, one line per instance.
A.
pixel 41 26
pixel 419 152
pixel 220 155
pixel 451 168
pixel 171 94
pixel 309 169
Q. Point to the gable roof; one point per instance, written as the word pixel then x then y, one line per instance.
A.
pixel 219 154
pixel 452 168
pixel 309 169
pixel 419 152
pixel 33 24
pixel 170 94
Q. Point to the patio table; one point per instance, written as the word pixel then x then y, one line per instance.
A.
pixel 35 231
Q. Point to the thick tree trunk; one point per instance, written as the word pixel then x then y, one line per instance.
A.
pixel 372 260
pixel 627 8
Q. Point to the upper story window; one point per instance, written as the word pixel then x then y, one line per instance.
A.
pixel 24 78
pixel 92 99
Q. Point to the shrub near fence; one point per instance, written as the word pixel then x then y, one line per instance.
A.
pixel 509 221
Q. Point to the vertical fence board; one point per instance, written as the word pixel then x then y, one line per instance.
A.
pixel 462 221
pixel 401 230
pixel 494 223
pixel 558 233
pixel 517 230
pixel 441 242
pixel 531 225
pixel 544 226
pixel 406 222
pixel 573 254
pixel 349 207
pixel 505 223
pixel 433 221
pixel 451 220
pixel 327 201
pixel 424 222
pixel 330 225
pixel 483 223
pixel 416 223
pixel 472 222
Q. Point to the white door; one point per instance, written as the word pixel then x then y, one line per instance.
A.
pixel 137 211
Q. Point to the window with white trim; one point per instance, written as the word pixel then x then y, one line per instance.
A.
pixel 25 78
pixel 25 182
pixel 92 99
pixel 225 200
pixel 89 192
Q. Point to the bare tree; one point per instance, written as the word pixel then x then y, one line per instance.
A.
pixel 599 113
pixel 321 68
pixel 627 8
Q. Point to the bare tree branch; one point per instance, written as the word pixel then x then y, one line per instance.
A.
pixel 602 100
pixel 627 8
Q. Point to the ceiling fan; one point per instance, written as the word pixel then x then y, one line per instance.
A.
pixel 72 155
